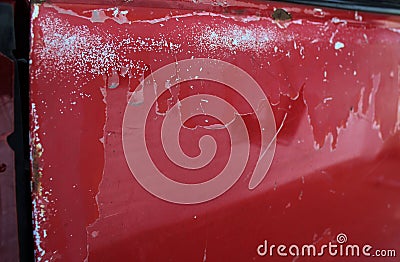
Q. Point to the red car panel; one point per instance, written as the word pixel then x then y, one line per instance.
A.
pixel 302 105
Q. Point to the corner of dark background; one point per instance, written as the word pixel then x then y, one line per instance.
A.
pixel 19 139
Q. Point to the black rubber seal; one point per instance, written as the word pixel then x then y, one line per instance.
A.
pixel 385 7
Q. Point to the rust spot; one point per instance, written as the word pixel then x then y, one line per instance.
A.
pixel 281 15
pixel 36 170
pixel 3 168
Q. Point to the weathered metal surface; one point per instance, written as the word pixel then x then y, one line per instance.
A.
pixel 303 110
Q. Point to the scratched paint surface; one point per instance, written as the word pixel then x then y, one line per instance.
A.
pixel 331 77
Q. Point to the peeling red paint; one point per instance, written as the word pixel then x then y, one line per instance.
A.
pixel 332 78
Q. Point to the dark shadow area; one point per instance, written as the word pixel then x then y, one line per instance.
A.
pixel 14 43
pixel 385 6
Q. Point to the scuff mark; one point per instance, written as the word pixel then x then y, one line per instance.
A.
pixel 339 45
pixel 34 16
pixel 119 16
pixel 103 140
pixel 316 12
pixel 337 20
pixel 275 136
pixel 333 36
pixel 237 38
pixel 35 12
pixel 376 79
pixel 36 153
pixel 40 199
pixel 80 50
pixel 100 16
pixel 397 126
pixel 205 253
pixel 300 195
pixel 357 16
pixel 136 98
pixel 113 80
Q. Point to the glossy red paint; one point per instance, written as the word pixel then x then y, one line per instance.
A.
pixel 330 76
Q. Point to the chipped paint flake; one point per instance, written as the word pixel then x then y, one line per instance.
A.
pixel 35 12
pixel 236 38
pixel 40 198
pixel 339 45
